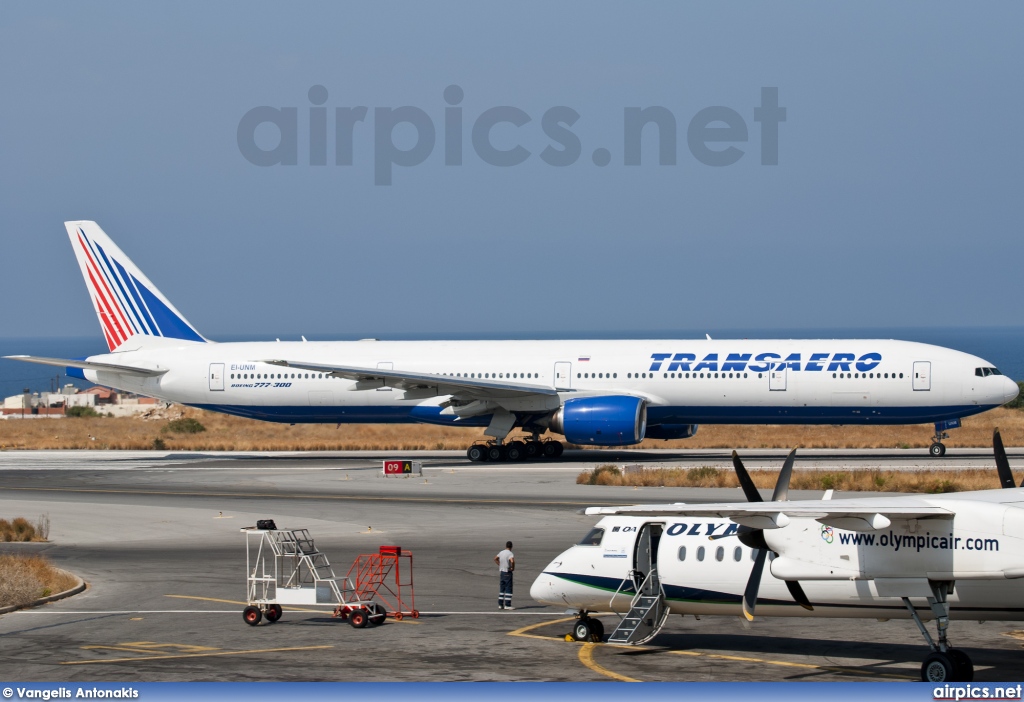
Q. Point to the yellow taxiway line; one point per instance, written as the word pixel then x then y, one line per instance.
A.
pixel 287 609
pixel 586 656
pixel 173 656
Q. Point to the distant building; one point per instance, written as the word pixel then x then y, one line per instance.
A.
pixel 55 404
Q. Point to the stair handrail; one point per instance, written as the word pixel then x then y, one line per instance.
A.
pixel 628 579
pixel 631 579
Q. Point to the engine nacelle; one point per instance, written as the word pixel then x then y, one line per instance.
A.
pixel 615 420
pixel 671 431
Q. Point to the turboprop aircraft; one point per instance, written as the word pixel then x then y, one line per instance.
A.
pixel 954 556
pixel 600 393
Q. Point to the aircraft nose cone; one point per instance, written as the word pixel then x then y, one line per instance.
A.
pixel 543 590
pixel 1011 391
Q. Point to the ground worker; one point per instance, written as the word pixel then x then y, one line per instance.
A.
pixel 506 561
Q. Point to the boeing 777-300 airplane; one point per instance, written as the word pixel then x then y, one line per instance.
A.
pixel 600 393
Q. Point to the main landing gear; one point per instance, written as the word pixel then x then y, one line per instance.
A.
pixel 514 451
pixel 943 664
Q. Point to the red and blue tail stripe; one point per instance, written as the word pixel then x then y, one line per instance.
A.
pixel 125 304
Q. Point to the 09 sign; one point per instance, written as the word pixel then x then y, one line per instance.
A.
pixel 401 468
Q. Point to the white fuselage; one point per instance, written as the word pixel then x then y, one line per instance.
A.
pixel 980 549
pixel 685 382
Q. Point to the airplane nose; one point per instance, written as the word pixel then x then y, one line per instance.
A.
pixel 542 589
pixel 1011 390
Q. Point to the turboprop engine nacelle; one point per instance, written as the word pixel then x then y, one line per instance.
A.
pixel 615 420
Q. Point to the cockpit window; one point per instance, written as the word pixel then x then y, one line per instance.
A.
pixel 593 537
pixel 983 372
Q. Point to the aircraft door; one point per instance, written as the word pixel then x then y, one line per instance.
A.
pixel 563 375
pixel 645 557
pixel 216 376
pixel 922 375
pixel 777 377
pixel 385 365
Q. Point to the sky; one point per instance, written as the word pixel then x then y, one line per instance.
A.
pixel 895 200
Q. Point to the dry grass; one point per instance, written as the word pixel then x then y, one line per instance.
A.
pixel 224 432
pixel 924 481
pixel 24 579
pixel 20 529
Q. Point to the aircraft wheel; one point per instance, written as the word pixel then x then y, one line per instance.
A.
pixel 358 618
pixel 559 448
pixel 252 615
pixel 596 630
pixel 496 453
pixel 938 667
pixel 551 449
pixel 962 666
pixel 515 451
pixel 476 453
pixel 581 630
pixel 274 613
pixel 533 449
pixel 377 614
pixel 937 450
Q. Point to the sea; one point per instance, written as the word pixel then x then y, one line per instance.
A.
pixel 1001 346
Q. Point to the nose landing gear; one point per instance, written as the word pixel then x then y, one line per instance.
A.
pixel 938 449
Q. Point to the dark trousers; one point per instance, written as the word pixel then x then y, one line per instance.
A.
pixel 505 589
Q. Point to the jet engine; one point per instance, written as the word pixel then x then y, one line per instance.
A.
pixel 671 431
pixel 615 420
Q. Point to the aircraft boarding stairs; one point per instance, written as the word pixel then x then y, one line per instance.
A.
pixel 303 573
pixel 647 613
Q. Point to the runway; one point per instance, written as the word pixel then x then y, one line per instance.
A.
pixel 157 539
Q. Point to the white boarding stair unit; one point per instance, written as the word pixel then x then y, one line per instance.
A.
pixel 300 575
pixel 647 611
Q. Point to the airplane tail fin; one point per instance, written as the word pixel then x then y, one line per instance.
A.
pixel 127 304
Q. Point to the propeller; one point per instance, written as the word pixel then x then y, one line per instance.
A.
pixel 754 538
pixel 1002 463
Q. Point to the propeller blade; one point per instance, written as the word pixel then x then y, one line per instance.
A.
pixel 749 489
pixel 1002 463
pixel 798 595
pixel 782 485
pixel 753 583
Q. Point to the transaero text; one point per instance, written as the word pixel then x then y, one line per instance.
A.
pixel 763 362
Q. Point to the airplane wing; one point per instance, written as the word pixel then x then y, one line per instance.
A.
pixel 484 388
pixel 815 509
pixel 853 515
pixel 90 365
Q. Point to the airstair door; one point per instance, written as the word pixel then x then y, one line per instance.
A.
pixel 563 375
pixel 216 376
pixel 777 376
pixel 922 375
pixel 645 556
pixel 648 610
pixel 385 365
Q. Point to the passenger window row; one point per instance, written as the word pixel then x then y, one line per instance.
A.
pixel 279 376
pixel 492 376
pixel 737 554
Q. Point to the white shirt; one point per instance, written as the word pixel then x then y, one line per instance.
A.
pixel 503 559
